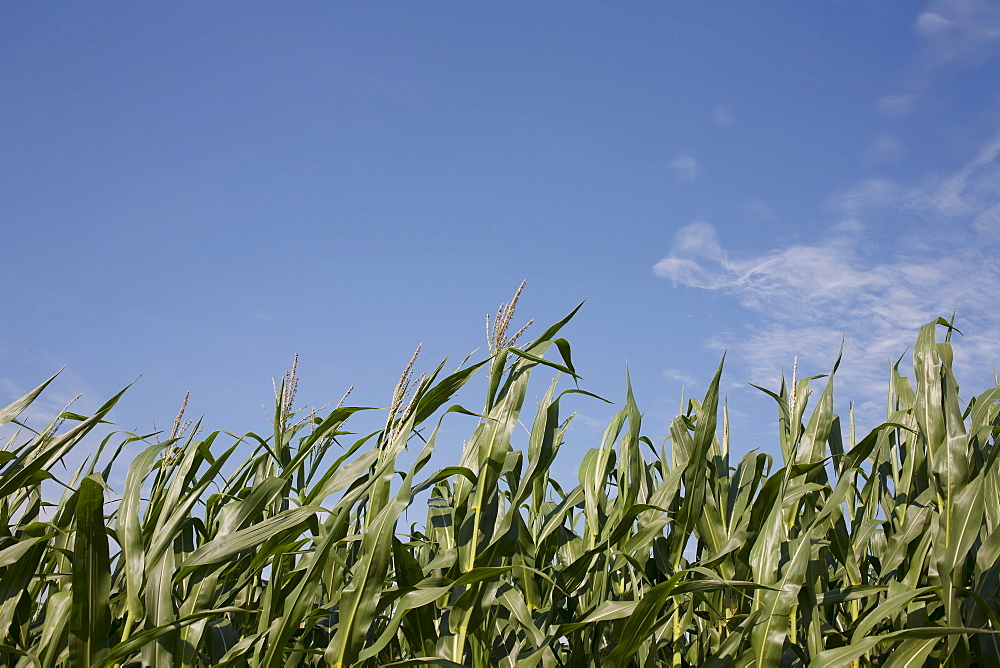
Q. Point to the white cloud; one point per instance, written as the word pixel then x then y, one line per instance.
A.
pixel 682 377
pixel 931 24
pixel 686 166
pixel 933 251
pixel 959 32
pixel 758 209
pixel 987 223
pixel 969 194
pixel 885 147
pixel 589 424
pixel 694 244
pixel 895 106
pixel 722 116
pixel 954 35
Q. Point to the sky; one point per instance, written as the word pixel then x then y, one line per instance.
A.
pixel 192 193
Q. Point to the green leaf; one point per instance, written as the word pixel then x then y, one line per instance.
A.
pixel 643 621
pixel 16 408
pixel 90 613
pixel 229 545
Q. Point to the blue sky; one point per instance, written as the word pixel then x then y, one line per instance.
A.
pixel 194 192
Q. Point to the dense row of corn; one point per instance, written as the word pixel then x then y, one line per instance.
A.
pixel 880 552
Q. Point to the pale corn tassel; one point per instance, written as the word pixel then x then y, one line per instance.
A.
pixel 179 426
pixel 496 337
pixel 795 382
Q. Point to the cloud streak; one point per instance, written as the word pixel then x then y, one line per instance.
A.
pixel 722 116
pixel 933 251
pixel 958 33
pixel 954 35
pixel 686 167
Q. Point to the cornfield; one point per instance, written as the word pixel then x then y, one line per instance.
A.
pixel 880 552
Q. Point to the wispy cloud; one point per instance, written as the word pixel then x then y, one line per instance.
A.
pixel 958 33
pixel 885 147
pixel 954 35
pixel 895 106
pixel 934 249
pixel 265 317
pixel 686 166
pixel 722 116
pixel 682 377
pixel 758 209
pixel 966 196
pixel 589 424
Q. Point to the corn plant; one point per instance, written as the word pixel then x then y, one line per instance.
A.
pixel 288 548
